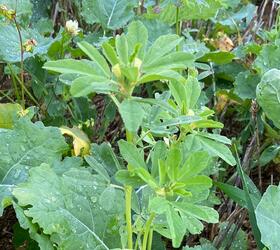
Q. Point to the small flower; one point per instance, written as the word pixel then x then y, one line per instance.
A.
pixel 72 27
pixel 29 45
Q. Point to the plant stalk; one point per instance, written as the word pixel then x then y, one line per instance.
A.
pixel 147 231
pixel 128 193
pixel 21 63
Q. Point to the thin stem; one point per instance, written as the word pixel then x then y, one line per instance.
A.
pixel 128 193
pixel 21 63
pixel 177 21
pixel 117 186
pixel 14 83
pixel 25 89
pixel 115 100
pixel 147 231
pixel 143 136
pixel 177 25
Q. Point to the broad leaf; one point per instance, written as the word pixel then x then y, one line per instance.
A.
pixel 10 46
pixel 74 211
pixel 245 85
pixel 268 92
pixel 21 150
pixel 111 14
pixel 268 217
pixel 33 229
pixel 267 58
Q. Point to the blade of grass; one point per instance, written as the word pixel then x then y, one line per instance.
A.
pixel 251 210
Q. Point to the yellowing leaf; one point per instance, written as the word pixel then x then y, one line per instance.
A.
pixel 8 111
pixel 81 142
pixel 224 43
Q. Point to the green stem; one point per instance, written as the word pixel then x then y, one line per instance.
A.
pixel 129 136
pixel 177 21
pixel 147 231
pixel 128 193
pixel 25 89
pixel 14 84
pixel 150 239
pixel 21 62
pixel 115 100
pixel 177 25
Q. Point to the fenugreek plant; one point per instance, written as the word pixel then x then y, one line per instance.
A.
pixel 167 151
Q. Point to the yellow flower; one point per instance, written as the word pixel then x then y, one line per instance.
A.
pixel 72 27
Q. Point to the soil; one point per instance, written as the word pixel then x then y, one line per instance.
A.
pixel 6 229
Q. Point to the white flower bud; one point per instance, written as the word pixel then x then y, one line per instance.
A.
pixel 72 27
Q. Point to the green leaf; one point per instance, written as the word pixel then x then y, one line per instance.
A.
pixel 159 152
pixel 236 194
pixel 214 148
pixel 86 85
pixel 188 10
pixel 110 53
pixel 137 34
pixel 198 182
pixel 268 220
pixel 33 229
pixel 218 57
pixel 181 120
pixel 216 137
pixel 122 48
pixel 249 203
pixel 128 178
pixel 111 14
pixel 98 167
pixel 71 66
pixel 8 114
pixel 161 75
pixel 245 85
pixel 23 9
pixel 105 155
pixel 195 164
pixel 132 114
pixel 193 91
pixel 175 60
pixel 204 213
pixel 176 226
pixel 70 210
pixel 267 58
pixel 162 46
pixel 10 45
pixel 268 91
pixel 146 177
pixel 269 154
pixel 95 56
pixel 173 161
pixel 21 150
pixel 132 154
